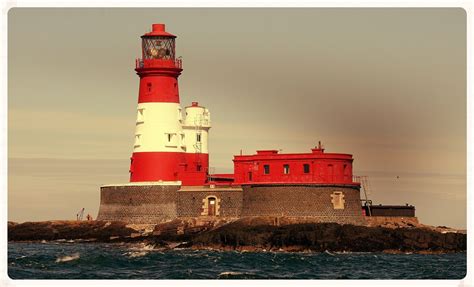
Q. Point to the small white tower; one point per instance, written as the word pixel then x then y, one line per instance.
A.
pixel 197 122
pixel 196 125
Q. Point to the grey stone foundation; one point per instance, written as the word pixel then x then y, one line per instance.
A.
pixel 138 204
pixel 161 203
pixel 323 203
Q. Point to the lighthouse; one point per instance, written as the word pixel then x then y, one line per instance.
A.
pixel 168 146
pixel 169 168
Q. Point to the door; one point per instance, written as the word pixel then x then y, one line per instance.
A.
pixel 211 203
pixel 331 173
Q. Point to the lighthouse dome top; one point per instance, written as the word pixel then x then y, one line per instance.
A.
pixel 158 30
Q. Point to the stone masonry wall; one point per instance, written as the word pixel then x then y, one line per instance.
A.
pixel 138 204
pixel 323 203
pixel 192 203
pixel 160 203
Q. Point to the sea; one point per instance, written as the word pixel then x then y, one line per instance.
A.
pixel 72 260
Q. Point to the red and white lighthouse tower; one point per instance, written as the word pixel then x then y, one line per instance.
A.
pixel 161 151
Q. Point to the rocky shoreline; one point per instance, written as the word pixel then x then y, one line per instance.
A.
pixel 253 235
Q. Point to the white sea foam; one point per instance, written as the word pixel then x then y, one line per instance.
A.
pixel 230 273
pixel 329 253
pixel 68 258
pixel 134 254
pixel 148 247
pixel 143 247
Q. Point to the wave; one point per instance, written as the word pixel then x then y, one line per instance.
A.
pixel 236 275
pixel 68 258
pixel 134 254
pixel 143 247
pixel 329 253
pixel 230 275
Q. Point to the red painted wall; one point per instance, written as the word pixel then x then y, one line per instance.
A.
pixel 324 168
pixel 169 166
pixel 154 166
pixel 194 169
pixel 158 88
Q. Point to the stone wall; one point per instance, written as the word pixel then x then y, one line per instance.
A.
pixel 322 203
pixel 193 202
pixel 160 203
pixel 138 203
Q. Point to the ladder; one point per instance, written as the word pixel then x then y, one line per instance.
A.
pixel 198 131
pixel 364 182
pixel 80 214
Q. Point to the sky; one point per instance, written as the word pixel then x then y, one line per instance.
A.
pixel 387 85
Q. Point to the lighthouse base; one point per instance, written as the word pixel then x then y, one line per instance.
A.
pixel 308 202
pixel 139 203
pixel 157 202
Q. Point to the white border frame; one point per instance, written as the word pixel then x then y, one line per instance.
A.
pixel 6 281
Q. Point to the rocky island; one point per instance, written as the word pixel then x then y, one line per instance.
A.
pixel 252 234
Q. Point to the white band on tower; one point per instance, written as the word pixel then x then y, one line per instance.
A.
pixel 158 128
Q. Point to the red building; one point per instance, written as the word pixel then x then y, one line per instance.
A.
pixel 271 167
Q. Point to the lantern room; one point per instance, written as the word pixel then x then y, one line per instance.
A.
pixel 158 49
pixel 158 44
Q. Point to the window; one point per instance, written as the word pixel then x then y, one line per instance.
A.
pixel 305 168
pixel 171 139
pixel 337 200
pixel 250 176
pixel 148 85
pixel 330 172
pixel 137 141
pixel 198 138
pixel 198 167
pixel 286 169
pixel 344 172
pixel 140 118
pixel 266 169
pixel 180 114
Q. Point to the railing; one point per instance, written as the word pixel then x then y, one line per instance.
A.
pixel 158 63
pixel 356 178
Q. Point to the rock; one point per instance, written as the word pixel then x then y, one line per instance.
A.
pixel 328 236
pixel 249 234
pixel 135 234
pixel 70 230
